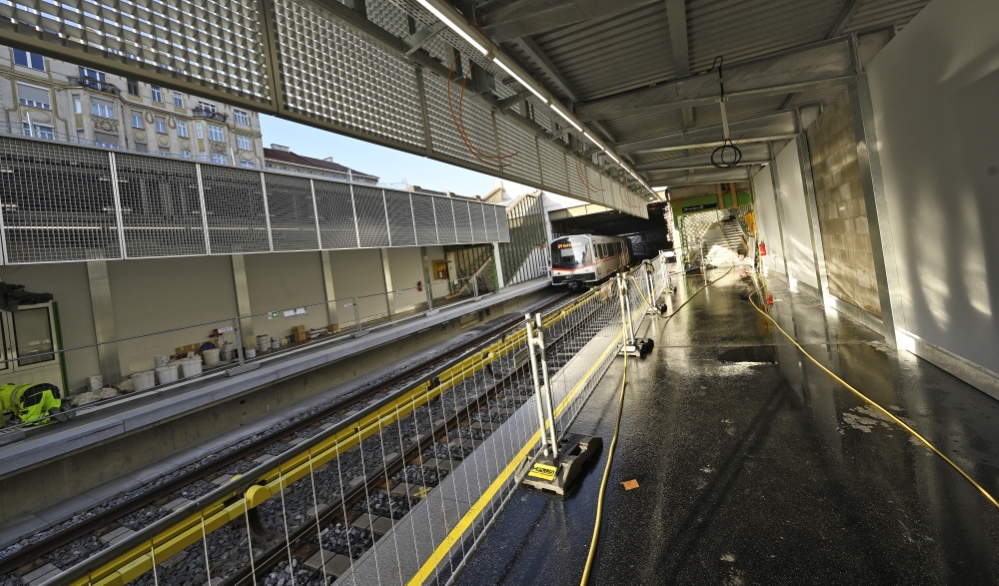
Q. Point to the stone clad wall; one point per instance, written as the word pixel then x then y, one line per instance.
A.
pixel 846 240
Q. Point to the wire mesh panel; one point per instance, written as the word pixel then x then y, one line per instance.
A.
pixel 400 215
pixel 462 222
pixel 160 205
pixel 553 167
pixel 489 212
pixel 444 212
pixel 478 222
pixel 472 117
pixel 426 223
pixel 336 75
pixel 370 209
pixel 293 219
pixel 513 139
pixel 58 203
pixel 216 44
pixel 502 224
pixel 234 201
pixel 336 215
pixel 577 188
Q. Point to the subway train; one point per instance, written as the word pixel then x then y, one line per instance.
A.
pixel 587 259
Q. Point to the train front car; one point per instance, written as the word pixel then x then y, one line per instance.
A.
pixel 572 261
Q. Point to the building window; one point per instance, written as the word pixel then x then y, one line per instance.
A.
pixel 141 147
pixel 32 60
pixel 41 131
pixel 35 97
pixel 133 87
pixel 178 100
pixel 206 109
pixel 160 125
pixel 182 129
pixel 77 105
pixel 164 153
pixel 102 108
pixel 137 120
pixel 245 143
pixel 220 159
pixel 215 133
pixel 157 94
pixel 185 154
pixel 106 140
pixel 247 164
pixel 241 117
pixel 91 74
pixel 197 127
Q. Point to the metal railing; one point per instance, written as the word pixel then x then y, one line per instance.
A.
pixel 403 490
pixel 95 84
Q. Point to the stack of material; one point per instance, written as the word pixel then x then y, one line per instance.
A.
pixel 298 334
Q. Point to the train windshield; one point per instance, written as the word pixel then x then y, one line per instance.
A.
pixel 571 252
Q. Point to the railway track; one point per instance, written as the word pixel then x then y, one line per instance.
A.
pixel 85 535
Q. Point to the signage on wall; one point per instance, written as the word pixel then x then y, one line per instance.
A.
pixel 703 206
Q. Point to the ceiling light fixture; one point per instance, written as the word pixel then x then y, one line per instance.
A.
pixel 454 26
pixel 520 80
pixel 567 117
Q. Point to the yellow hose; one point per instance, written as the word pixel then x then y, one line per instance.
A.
pixel 870 402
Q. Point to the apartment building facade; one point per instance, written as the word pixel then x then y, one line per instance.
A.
pixel 56 100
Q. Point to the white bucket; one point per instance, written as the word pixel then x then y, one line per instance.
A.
pixel 192 366
pixel 263 343
pixel 250 352
pixel 166 374
pixel 275 344
pixel 160 361
pixel 211 357
pixel 95 382
pixel 143 380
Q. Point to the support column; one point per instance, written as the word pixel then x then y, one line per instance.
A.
pixel 243 300
pixel 812 207
pixel 331 313
pixel 785 249
pixel 389 289
pixel 104 326
pixel 721 197
pixel 498 266
pixel 882 243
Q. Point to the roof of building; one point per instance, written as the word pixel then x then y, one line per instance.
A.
pixel 287 156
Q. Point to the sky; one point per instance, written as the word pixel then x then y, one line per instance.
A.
pixel 395 168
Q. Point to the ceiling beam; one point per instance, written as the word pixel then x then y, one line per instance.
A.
pixel 752 154
pixel 818 65
pixel 756 129
pixel 534 52
pixel 725 176
pixel 523 18
pixel 676 16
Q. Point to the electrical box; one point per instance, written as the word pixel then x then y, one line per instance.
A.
pixel 440 270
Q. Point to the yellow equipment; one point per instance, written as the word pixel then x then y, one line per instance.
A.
pixel 30 403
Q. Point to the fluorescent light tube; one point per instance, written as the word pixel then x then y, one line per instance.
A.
pixel 520 80
pixel 567 118
pixel 453 26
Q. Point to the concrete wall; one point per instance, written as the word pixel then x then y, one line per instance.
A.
pixel 278 282
pixel 767 221
pixel 157 294
pixel 359 272
pixel 934 89
pixel 406 267
pixel 846 239
pixel 797 236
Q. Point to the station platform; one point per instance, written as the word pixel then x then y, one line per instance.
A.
pixel 755 467
pixel 202 413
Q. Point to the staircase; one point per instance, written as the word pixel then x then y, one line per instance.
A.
pixel 722 244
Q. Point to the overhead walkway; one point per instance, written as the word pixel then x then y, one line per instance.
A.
pixel 755 467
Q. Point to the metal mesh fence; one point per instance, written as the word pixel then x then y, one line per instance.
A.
pixel 63 203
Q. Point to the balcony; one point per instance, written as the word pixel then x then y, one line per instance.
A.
pixel 94 84
pixel 209 113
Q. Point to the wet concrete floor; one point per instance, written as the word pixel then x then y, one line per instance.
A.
pixel 767 473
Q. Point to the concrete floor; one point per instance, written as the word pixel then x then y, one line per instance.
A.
pixel 767 473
